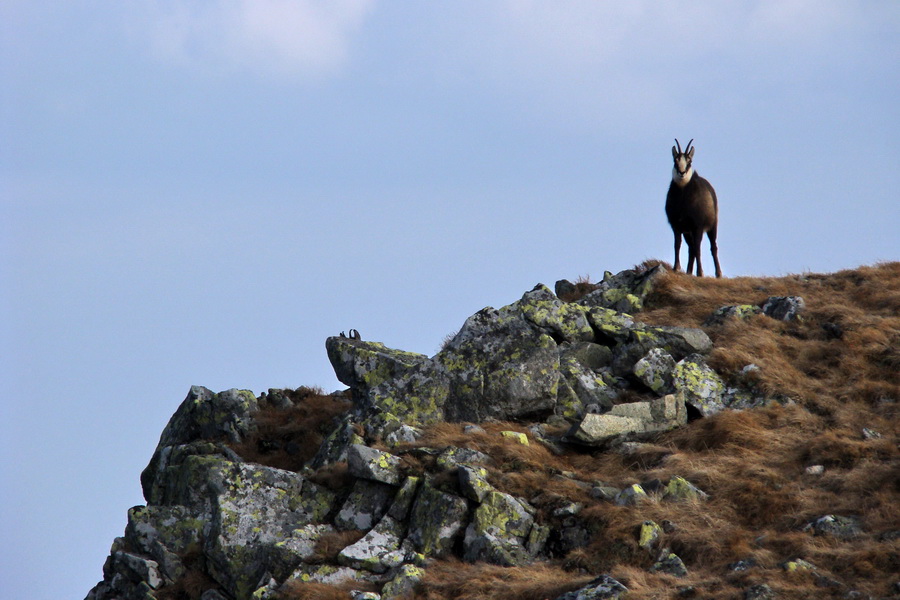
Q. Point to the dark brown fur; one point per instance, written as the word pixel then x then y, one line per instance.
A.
pixel 693 210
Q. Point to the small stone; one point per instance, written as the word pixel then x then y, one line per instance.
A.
pixel 815 469
pixel 670 563
pixel 631 496
pixel 369 552
pixel 742 311
pixel 680 489
pixel 870 434
pixel 701 386
pixel 452 457
pixel 649 535
pixel 569 510
pixel 602 588
pixel 759 592
pixel 369 463
pixel 844 528
pixel 604 492
pixel 655 371
pixel 798 564
pixel 403 583
pixel 742 565
pixel 515 436
pixel 784 308
pixel 473 482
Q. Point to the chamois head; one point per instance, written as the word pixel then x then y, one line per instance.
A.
pixel 683 171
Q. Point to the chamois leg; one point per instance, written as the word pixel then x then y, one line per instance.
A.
pixel 692 255
pixel 714 250
pixel 696 239
pixel 677 252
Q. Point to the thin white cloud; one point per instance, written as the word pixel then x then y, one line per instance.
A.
pixel 307 37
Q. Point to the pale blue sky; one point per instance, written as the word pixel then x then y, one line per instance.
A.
pixel 202 192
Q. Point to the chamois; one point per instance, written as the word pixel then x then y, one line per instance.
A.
pixel 692 209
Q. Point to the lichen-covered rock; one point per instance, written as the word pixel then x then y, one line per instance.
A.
pixel 202 415
pixel 370 552
pixel 631 495
pixel 656 370
pixel 365 506
pixel 404 498
pixel 330 574
pixel 680 489
pixel 679 342
pixel 436 519
pixel 335 447
pixel 841 527
pixel 453 457
pixel 589 355
pixel 671 564
pixel 164 533
pixel 403 583
pixel 741 311
pixel 597 429
pixel 631 420
pixel 612 326
pixel 368 463
pixel 243 510
pixel 402 383
pixel 649 535
pixel 602 588
pixel 784 308
pixel 134 568
pixel 798 564
pixel 583 388
pixel 402 434
pixel 760 591
pixel 299 546
pixel 625 291
pixel 702 387
pixel 516 436
pixel 254 508
pixel 498 531
pixel 537 539
pixel 473 482
pixel 562 320
pixel 501 366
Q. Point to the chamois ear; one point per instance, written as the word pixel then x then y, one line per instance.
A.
pixel 674 152
pixel 690 153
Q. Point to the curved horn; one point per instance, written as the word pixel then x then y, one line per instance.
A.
pixel 679 145
pixel 688 147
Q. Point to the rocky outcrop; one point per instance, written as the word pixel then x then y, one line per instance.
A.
pixel 535 358
pixel 250 529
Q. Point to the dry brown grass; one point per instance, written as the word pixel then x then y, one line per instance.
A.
pixel 300 590
pixel 286 438
pixel 802 360
pixel 464 581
